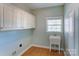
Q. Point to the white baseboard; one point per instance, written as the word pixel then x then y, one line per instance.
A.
pixel 25 50
pixel 35 46
pixel 44 46
pixel 65 53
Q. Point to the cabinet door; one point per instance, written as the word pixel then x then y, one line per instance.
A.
pixel 33 21
pixel 19 19
pixel 8 17
pixel 1 16
pixel 25 20
pixel 13 21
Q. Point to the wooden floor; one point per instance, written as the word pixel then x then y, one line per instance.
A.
pixel 37 51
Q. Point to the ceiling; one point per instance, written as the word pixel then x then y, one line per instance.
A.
pixel 38 5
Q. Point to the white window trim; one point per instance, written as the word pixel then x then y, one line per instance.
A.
pixel 59 17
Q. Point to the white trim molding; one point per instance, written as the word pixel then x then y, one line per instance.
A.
pixel 25 50
pixel 36 45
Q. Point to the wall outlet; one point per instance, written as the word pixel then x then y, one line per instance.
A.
pixel 14 53
pixel 20 45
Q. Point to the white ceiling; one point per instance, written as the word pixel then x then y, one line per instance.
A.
pixel 38 5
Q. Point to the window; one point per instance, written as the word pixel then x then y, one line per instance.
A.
pixel 54 24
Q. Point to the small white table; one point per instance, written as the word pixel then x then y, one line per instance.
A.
pixel 56 40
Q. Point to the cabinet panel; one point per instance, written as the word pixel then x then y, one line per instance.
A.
pixel 18 19
pixel 25 20
pixel 1 16
pixel 29 20
pixel 14 19
pixel 8 20
pixel 33 21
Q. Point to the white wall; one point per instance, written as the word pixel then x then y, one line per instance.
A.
pixel 40 34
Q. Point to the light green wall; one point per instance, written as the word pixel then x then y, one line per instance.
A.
pixel 40 36
pixel 10 40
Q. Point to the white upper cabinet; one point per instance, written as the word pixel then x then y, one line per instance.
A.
pixel 1 16
pixel 19 19
pixel 25 20
pixel 12 18
pixel 8 17
pixel 32 21
pixel 28 20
